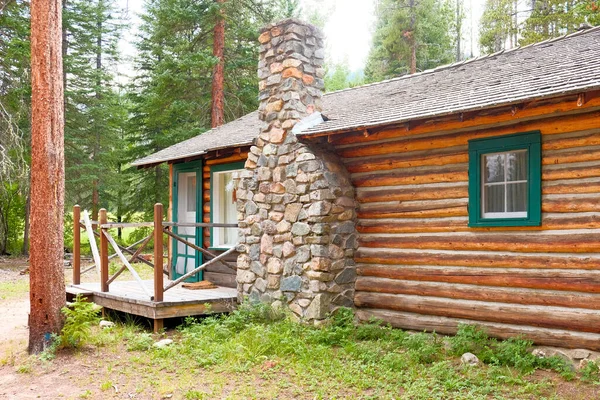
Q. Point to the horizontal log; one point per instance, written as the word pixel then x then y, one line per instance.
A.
pixel 407 206
pixel 523 243
pixel 400 257
pixel 550 126
pixel 431 192
pixel 592 139
pixel 567 280
pixel 579 155
pixel 480 293
pixel 504 116
pixel 459 211
pixel 228 159
pixel 226 280
pixel 452 155
pixel 577 187
pixel 546 317
pixel 568 172
pixel 576 205
pixel 451 173
pixel 449 326
pixel 413 193
pixel 428 226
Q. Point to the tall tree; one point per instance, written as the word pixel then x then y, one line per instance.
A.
pixel 410 35
pixel 15 94
pixel 497 25
pixel 218 97
pixel 172 98
pixel 47 286
pixel 552 18
pixel 91 31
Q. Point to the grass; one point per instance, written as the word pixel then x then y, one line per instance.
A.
pixel 14 289
pixel 259 352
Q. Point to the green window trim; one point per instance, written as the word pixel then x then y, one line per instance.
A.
pixel 193 166
pixel 530 141
pixel 214 169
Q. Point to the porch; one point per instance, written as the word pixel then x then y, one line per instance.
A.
pixel 158 298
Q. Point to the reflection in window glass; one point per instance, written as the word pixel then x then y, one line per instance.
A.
pixel 191 194
pixel 505 185
pixel 225 208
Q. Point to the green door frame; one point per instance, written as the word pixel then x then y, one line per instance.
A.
pixel 194 166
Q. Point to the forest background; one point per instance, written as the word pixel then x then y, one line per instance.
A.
pixel 167 97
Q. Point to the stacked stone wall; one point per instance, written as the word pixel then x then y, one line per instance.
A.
pixel 297 212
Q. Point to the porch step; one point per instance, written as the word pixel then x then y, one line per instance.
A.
pixel 73 291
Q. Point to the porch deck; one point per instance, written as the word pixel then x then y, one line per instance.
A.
pixel 128 297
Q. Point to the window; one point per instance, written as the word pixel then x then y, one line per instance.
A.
pixel 505 180
pixel 223 208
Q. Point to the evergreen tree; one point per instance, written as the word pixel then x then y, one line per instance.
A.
pixel 552 18
pixel 15 116
pixel 94 113
pixel 497 25
pixel 410 36
pixel 171 96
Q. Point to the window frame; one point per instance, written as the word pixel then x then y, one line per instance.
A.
pixel 215 169
pixel 530 141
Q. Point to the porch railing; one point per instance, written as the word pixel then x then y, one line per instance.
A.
pixel 101 255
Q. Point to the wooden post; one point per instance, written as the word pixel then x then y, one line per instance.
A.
pixel 103 253
pixel 76 245
pixel 158 252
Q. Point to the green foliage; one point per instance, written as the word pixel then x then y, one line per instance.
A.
pixel 424 348
pixel 471 339
pixel 591 372
pixel 497 25
pixel 432 34
pixel 338 76
pixel 513 352
pixel 79 320
pixel 94 111
pixel 139 341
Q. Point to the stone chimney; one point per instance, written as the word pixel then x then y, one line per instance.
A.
pixel 295 201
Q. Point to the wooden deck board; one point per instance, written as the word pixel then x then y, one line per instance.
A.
pixel 128 296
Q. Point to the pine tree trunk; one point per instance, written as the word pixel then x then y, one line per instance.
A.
pixel 218 96
pixel 47 281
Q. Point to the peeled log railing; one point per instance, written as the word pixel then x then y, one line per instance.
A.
pixel 101 256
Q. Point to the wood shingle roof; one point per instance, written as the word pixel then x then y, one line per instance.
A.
pixel 569 64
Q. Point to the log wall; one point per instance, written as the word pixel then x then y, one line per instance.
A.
pixel 421 266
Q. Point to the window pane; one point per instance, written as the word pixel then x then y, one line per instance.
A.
pixel 516 197
pixel 517 166
pixel 191 194
pixel 494 198
pixel 493 168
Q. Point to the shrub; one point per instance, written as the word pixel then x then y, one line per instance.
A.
pixel 79 320
pixel 591 372
pixel 471 339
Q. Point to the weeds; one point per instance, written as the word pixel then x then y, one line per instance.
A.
pixel 79 320
pixel 591 372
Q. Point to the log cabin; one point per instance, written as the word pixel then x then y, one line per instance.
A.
pixel 465 194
